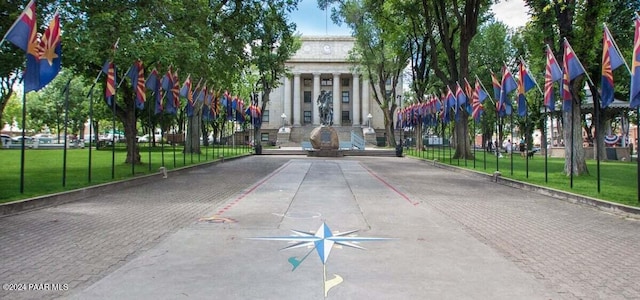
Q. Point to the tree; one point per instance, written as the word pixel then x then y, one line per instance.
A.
pixel 207 42
pixel 456 25
pixel 490 48
pixel 12 59
pixel 273 42
pixel 381 49
pixel 580 23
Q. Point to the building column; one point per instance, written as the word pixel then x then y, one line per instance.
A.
pixel 296 99
pixel 315 115
pixel 337 108
pixel 356 100
pixel 287 99
pixel 365 100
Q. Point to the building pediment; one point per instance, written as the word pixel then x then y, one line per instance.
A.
pixel 324 49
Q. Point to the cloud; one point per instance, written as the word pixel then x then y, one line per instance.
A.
pixel 511 12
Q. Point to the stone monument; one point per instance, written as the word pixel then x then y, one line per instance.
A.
pixel 324 139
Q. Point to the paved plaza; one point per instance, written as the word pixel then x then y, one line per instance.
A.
pixel 218 232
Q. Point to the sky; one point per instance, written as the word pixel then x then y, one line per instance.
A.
pixel 310 20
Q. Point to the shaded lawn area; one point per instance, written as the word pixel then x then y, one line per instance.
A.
pixel 618 180
pixel 43 168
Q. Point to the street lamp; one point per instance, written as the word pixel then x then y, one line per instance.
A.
pixel 369 117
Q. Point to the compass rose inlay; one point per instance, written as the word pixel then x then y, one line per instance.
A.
pixel 322 242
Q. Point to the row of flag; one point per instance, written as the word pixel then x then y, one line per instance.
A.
pixel 44 51
pixel 167 93
pixel 472 99
pixel 44 55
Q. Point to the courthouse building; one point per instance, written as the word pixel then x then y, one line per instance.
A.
pixel 321 64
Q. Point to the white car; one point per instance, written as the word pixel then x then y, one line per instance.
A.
pixel 146 138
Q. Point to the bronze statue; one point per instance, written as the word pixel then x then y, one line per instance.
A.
pixel 325 108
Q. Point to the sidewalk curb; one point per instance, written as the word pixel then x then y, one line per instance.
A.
pixel 19 206
pixel 611 207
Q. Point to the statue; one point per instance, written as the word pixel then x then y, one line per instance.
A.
pixel 325 108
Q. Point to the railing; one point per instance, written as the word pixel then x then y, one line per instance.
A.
pixel 357 141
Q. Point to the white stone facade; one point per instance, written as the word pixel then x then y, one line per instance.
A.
pixel 322 64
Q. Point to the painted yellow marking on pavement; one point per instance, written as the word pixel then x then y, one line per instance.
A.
pixel 217 219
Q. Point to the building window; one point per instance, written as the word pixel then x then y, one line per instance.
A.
pixel 345 82
pixel 345 96
pixel 264 136
pixel 345 116
pixel 307 96
pixel 388 82
pixel 326 81
pixel 265 116
pixel 307 117
pixel 307 82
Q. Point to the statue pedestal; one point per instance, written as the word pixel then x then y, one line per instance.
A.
pixel 324 138
pixel 325 143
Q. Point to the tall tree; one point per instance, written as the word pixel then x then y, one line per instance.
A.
pixel 580 23
pixel 381 51
pixel 272 43
pixel 456 25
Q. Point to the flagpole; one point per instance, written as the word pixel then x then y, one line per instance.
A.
pixel 526 147
pixel 152 135
pixel 65 91
pixel 596 113
pixel 24 123
pixel 512 140
pixel 90 96
pixel 131 151
pixel 113 134
pixel 546 146
pixel 572 140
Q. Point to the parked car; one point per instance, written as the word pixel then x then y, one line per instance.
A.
pixel 147 138
pixel 5 140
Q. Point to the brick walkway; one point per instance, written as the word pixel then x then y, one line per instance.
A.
pixel 579 252
pixel 81 242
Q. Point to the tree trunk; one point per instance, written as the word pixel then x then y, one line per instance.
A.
pixel 194 126
pixel 571 124
pixel 127 116
pixel 388 127
pixel 461 128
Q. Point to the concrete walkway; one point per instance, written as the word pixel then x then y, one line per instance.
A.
pixel 451 236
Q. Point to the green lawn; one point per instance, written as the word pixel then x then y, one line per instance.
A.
pixel 618 180
pixel 43 168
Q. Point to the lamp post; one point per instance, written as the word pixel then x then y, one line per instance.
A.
pixel 369 117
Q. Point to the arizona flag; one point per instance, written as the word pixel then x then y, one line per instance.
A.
pixel 611 60
pixel 508 85
pixel 572 69
pixel 23 32
pixel 478 96
pixel 110 89
pixel 136 74
pixel 49 55
pixel 153 83
pixel 552 74
pixel 525 84
pixel 634 97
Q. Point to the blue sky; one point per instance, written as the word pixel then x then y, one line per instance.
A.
pixel 311 20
